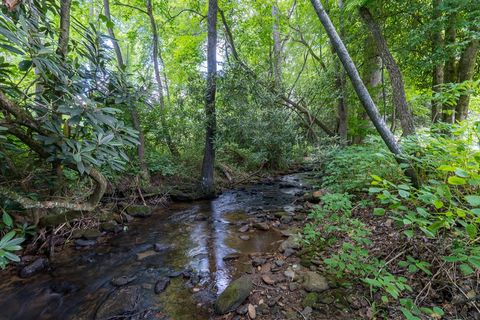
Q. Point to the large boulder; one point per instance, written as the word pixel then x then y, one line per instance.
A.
pixel 293 242
pixel 121 302
pixel 139 211
pixel 234 295
pixel 313 282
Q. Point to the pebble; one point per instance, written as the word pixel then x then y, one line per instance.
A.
pixel 266 278
pixel 244 228
pixel 161 285
pixel 245 237
pixel 252 313
pixel 256 262
pixel 85 243
pixel 123 280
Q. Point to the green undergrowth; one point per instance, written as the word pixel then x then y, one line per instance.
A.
pixel 435 227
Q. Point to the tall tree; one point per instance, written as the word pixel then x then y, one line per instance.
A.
pixel 361 90
pixel 437 46
pixel 64 37
pixel 133 111
pixel 342 111
pixel 450 68
pixel 158 78
pixel 208 165
pixel 466 68
pixel 400 99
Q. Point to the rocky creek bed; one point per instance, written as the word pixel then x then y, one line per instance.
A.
pixel 235 257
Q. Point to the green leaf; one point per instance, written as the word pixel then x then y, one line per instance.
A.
pixel 408 233
pixel 456 181
pixel 7 220
pixel 466 269
pixel 438 311
pixel 474 201
pixel 446 168
pixel 10 48
pixel 24 65
pixel 379 211
pixel 475 261
pixel 375 177
pixel 471 230
pixel 404 194
pixel 110 24
pixel 461 173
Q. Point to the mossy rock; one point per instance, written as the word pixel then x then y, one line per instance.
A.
pixel 310 299
pixel 234 295
pixel 139 211
pixel 52 220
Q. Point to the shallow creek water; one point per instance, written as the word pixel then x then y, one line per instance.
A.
pixel 194 236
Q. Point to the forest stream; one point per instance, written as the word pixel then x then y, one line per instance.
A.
pixel 182 252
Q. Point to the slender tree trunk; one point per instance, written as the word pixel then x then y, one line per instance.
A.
pixel 64 37
pixel 399 96
pixel 437 72
pixel 156 66
pixel 277 49
pixel 450 69
pixel 361 90
pixel 466 68
pixel 208 165
pixel 342 111
pixel 134 113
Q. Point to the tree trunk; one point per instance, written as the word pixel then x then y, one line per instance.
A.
pixel 64 27
pixel 466 68
pixel 361 90
pixel 277 49
pixel 208 183
pixel 450 69
pixel 437 72
pixel 399 96
pixel 134 113
pixel 156 66
pixel 342 111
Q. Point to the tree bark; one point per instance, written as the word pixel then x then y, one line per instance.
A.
pixel 437 72
pixel 133 112
pixel 208 183
pixel 64 37
pixel 342 111
pixel 400 99
pixel 361 90
pixel 450 69
pixel 466 68
pixel 156 66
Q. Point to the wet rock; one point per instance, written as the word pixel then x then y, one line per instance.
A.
pixel 292 286
pixel 279 263
pixel 159 247
pixel 252 313
pixel 139 211
pixel 234 295
pixel 288 252
pixel 85 243
pixel 310 299
pixel 142 247
pixel 244 228
pixel 307 312
pixel 244 237
pixel 293 242
pixel 91 234
pixel 110 226
pixel 263 226
pixel 120 302
pixel 242 310
pixel 161 285
pixel 290 274
pixel 33 268
pixel 105 216
pixel 128 218
pixel 262 309
pixel 286 219
pixel 146 254
pixel 313 282
pixel 77 234
pixel 258 261
pixel 267 279
pixel 123 280
pixel 231 256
